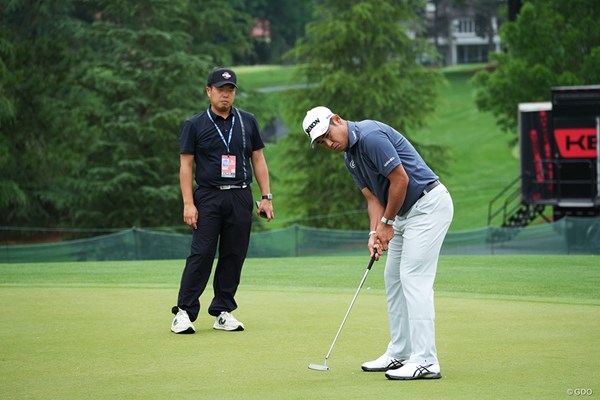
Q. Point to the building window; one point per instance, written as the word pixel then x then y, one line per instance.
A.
pixel 465 25
pixel 472 54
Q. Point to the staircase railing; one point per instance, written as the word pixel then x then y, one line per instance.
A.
pixel 511 193
pixel 515 213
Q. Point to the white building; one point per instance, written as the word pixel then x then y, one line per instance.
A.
pixel 459 43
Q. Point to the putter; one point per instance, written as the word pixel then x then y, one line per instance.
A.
pixel 324 367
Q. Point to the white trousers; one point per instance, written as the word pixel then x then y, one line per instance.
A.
pixel 410 271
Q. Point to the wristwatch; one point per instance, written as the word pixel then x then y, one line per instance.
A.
pixel 267 196
pixel 387 221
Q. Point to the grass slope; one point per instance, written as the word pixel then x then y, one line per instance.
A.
pixel 507 327
pixel 482 162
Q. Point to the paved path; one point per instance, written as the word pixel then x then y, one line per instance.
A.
pixel 285 87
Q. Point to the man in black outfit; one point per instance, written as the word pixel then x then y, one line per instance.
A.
pixel 224 145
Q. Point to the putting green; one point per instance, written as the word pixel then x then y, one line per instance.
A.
pixel 99 343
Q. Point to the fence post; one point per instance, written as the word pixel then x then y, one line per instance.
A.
pixel 296 240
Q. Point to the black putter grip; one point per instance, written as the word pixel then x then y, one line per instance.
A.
pixel 372 260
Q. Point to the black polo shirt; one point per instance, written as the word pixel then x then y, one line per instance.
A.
pixel 201 138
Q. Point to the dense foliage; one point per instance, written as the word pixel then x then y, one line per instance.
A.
pixel 552 43
pixel 364 63
pixel 93 95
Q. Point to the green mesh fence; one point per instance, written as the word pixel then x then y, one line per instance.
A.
pixel 570 235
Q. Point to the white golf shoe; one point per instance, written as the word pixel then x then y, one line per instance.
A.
pixel 181 323
pixel 383 363
pixel 412 371
pixel 227 322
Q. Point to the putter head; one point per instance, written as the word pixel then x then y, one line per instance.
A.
pixel 318 367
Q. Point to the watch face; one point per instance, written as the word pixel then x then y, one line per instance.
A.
pixel 268 196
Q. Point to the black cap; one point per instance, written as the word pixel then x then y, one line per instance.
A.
pixel 221 77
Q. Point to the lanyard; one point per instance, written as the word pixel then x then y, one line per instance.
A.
pixel 219 130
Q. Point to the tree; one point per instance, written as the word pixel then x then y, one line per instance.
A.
pixel 220 30
pixel 552 43
pixel 485 13
pixel 37 117
pixel 285 19
pixel 144 83
pixel 362 59
pixel 94 93
pixel 444 12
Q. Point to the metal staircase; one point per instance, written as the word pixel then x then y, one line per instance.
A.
pixel 512 212
pixel 524 215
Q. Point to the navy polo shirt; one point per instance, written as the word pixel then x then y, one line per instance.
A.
pixel 200 137
pixel 374 150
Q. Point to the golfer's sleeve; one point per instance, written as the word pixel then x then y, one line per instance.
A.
pixel 187 139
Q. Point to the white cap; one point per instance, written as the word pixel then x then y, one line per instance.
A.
pixel 316 122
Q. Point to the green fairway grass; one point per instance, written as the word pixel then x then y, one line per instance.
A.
pixel 507 328
pixel 264 76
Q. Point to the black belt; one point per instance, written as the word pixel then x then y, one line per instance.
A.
pixel 227 187
pixel 429 188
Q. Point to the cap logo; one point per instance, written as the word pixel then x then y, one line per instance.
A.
pixel 312 125
pixel 226 75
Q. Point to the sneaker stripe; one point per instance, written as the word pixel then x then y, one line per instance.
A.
pixel 422 370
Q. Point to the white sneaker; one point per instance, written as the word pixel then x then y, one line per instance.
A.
pixel 415 371
pixel 227 322
pixel 181 323
pixel 383 363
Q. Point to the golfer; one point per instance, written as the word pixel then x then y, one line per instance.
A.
pixel 409 213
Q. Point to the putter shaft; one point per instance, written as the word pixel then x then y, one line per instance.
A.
pixel 350 308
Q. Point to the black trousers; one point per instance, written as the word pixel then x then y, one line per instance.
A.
pixel 224 219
